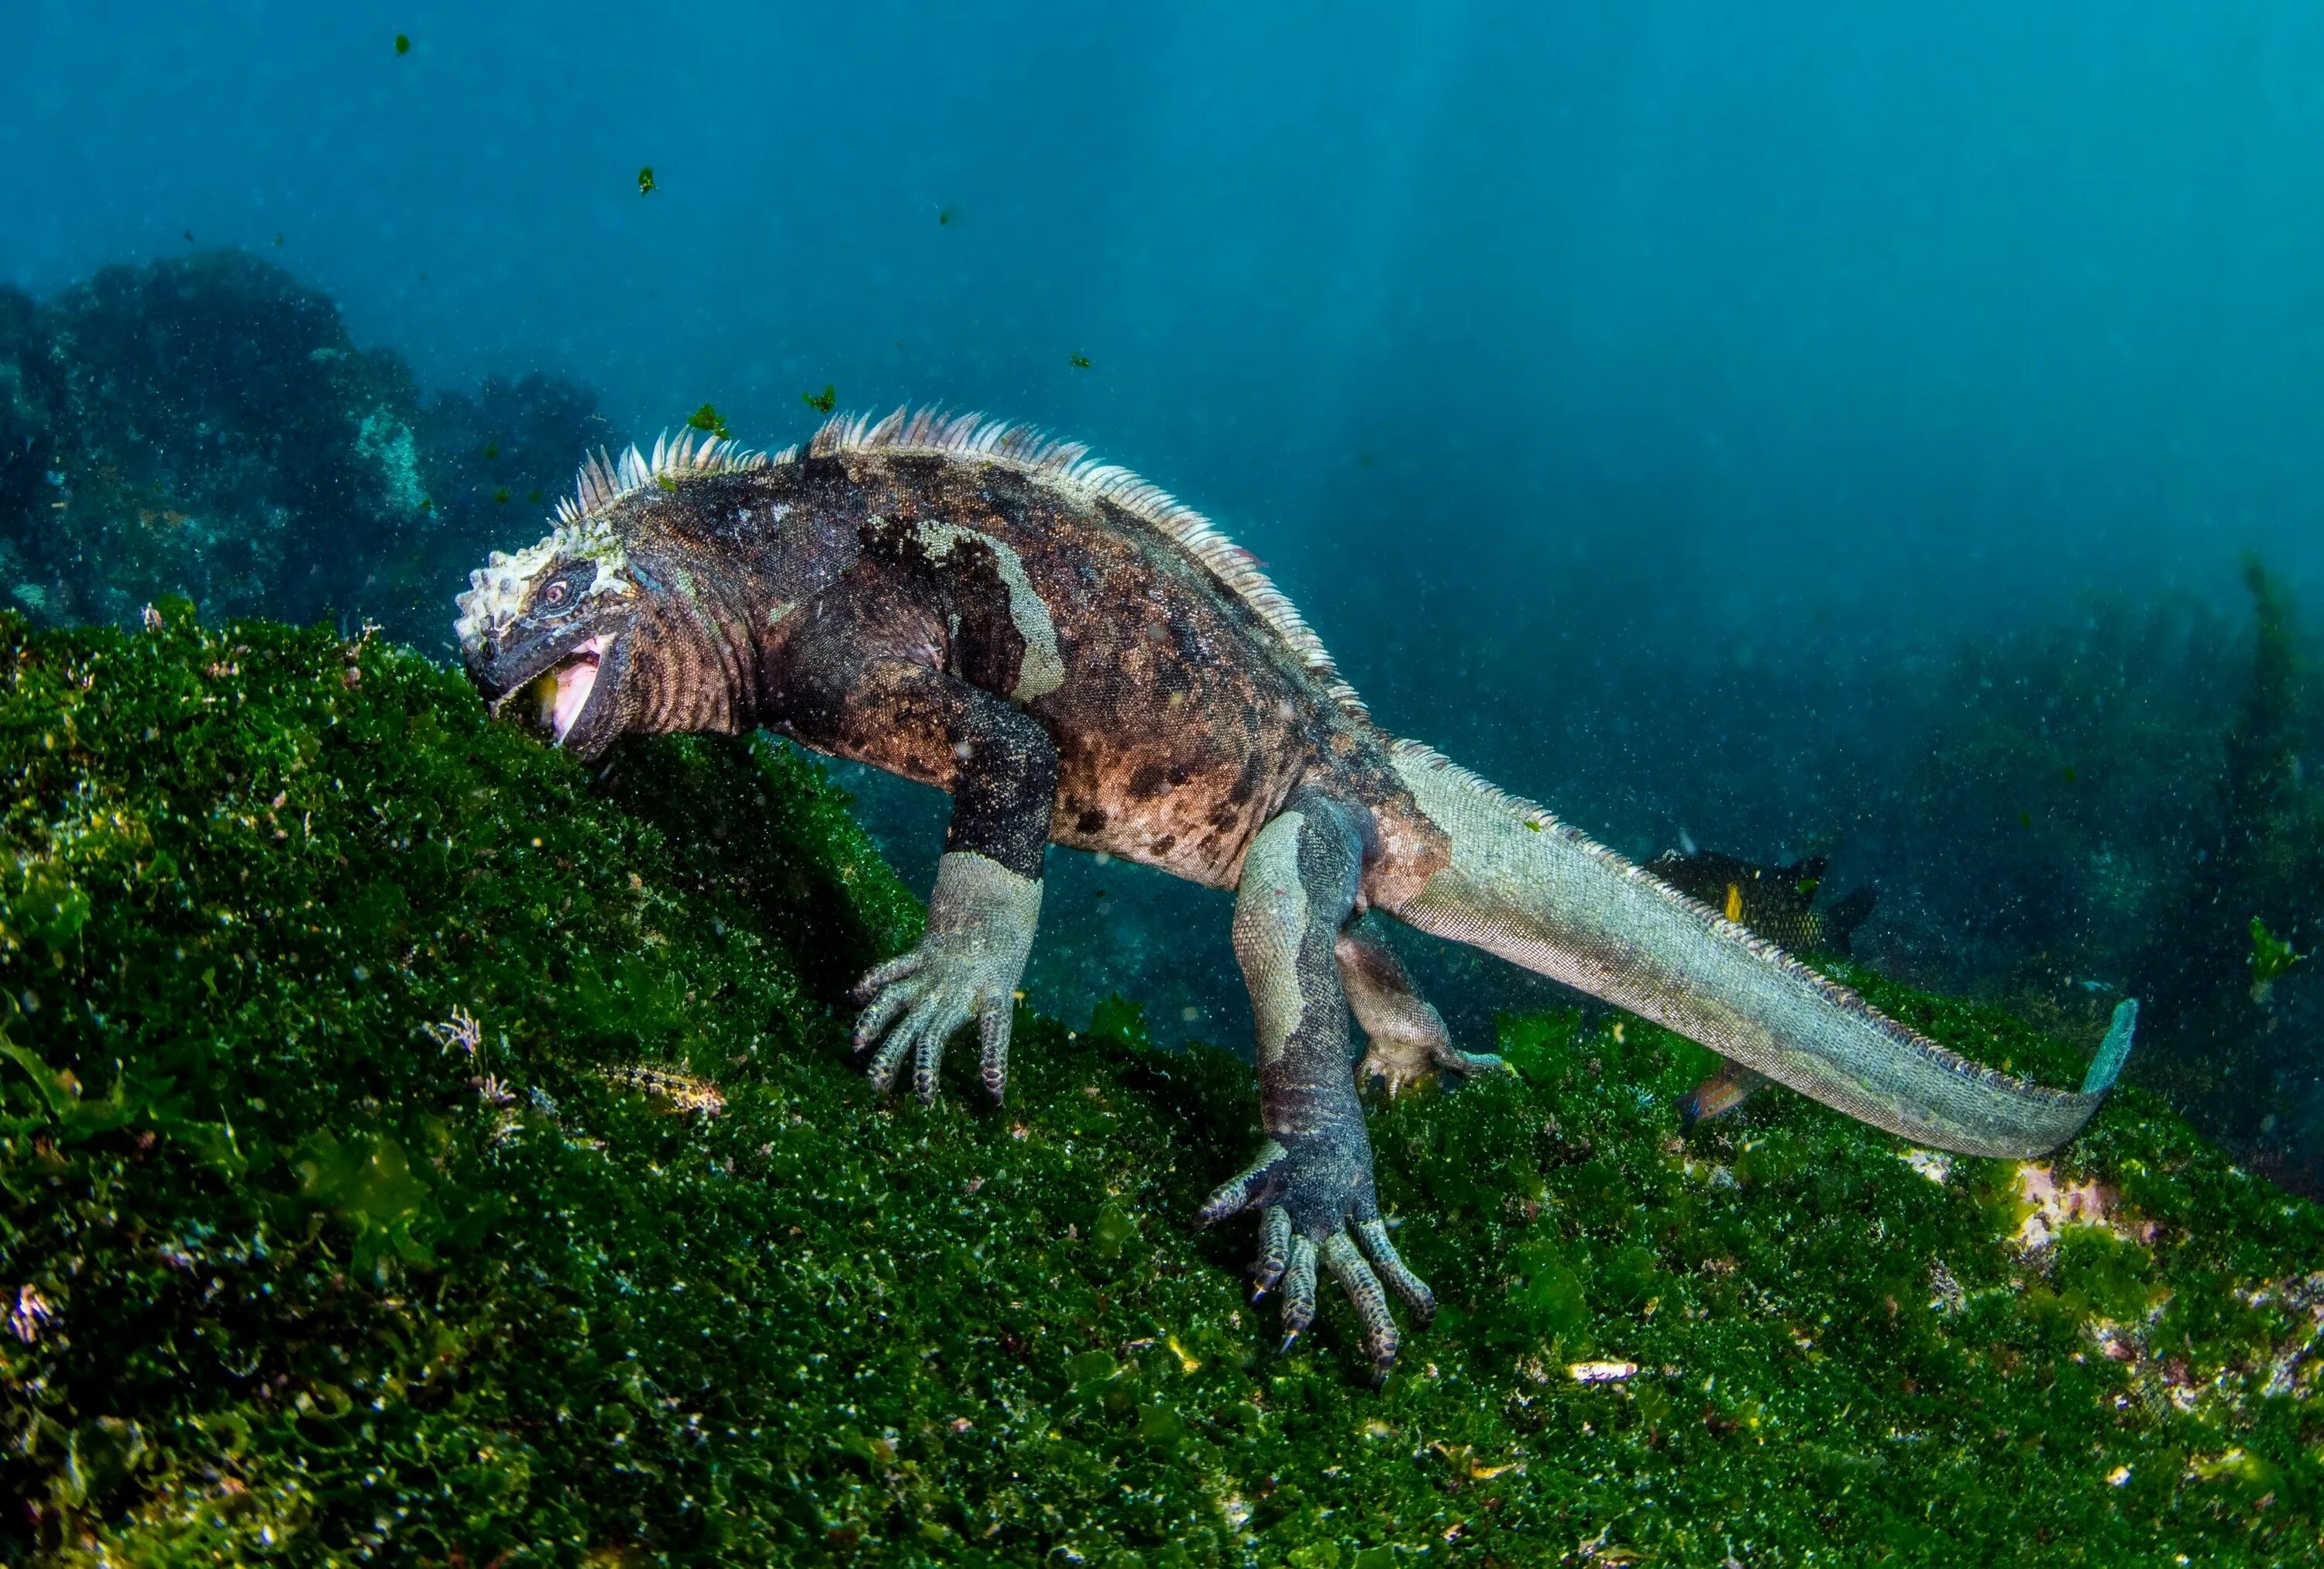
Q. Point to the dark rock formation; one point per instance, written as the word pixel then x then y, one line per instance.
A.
pixel 204 426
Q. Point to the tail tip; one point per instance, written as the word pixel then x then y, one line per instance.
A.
pixel 2115 1050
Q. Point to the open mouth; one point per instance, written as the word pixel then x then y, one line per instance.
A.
pixel 553 699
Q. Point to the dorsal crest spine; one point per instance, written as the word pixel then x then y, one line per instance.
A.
pixel 605 479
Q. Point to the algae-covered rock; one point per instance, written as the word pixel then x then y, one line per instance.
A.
pixel 417 1149
pixel 204 426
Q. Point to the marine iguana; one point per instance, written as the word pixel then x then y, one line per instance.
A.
pixel 1079 658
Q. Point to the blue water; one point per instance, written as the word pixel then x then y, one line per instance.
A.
pixel 1635 397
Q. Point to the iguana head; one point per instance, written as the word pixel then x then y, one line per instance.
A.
pixel 600 628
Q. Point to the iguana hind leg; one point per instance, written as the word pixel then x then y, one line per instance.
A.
pixel 1407 1039
pixel 1312 1182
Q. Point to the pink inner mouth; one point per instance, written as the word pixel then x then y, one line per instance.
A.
pixel 576 679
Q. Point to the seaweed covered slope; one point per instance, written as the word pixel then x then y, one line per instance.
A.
pixel 417 1152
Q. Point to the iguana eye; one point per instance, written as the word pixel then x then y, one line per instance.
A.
pixel 562 592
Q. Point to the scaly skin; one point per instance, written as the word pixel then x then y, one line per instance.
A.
pixel 1078 659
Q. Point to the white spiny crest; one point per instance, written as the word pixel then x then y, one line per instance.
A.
pixel 498 593
pixel 1067 466
pixel 605 479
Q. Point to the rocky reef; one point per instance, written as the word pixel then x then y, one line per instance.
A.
pixel 203 426
pixel 413 1150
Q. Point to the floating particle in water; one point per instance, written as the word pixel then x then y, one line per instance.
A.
pixel 944 216
pixel 492 451
pixel 403 44
pixel 500 496
pixel 278 239
pixel 708 418
pixel 533 495
pixel 822 403
pixel 646 180
pixel 1080 362
pixel 2272 958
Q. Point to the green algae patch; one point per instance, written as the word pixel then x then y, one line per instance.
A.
pixel 419 1150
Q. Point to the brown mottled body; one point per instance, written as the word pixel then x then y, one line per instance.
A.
pixel 1180 725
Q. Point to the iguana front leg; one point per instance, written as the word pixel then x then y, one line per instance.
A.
pixel 1312 1181
pixel 1407 1039
pixel 1001 769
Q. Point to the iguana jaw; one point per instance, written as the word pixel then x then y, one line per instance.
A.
pixel 565 688
pixel 557 698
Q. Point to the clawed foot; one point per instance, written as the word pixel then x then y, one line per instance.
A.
pixel 1406 1038
pixel 1401 1061
pixel 981 922
pixel 1309 1203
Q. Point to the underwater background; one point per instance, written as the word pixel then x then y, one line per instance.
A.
pixel 1816 431
pixel 1794 431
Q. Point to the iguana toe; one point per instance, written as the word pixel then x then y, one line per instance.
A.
pixel 1274 1250
pixel 1298 1291
pixel 1417 1297
pixel 1369 1298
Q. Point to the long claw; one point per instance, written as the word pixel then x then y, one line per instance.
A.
pixel 1274 1250
pixel 1363 1289
pixel 1417 1297
pixel 1244 1191
pixel 1472 1062
pixel 992 1029
pixel 1298 1291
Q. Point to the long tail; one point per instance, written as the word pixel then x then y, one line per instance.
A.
pixel 1526 887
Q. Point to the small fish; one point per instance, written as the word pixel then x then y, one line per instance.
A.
pixel 533 496
pixel 492 451
pixel 278 239
pixel 1081 362
pixel 822 403
pixel 707 418
pixel 189 234
pixel 1778 903
pixel 646 180
pixel 403 44
pixel 1719 1094
pixel 944 216
pixel 500 496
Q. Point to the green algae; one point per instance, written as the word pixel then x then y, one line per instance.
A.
pixel 349 1212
